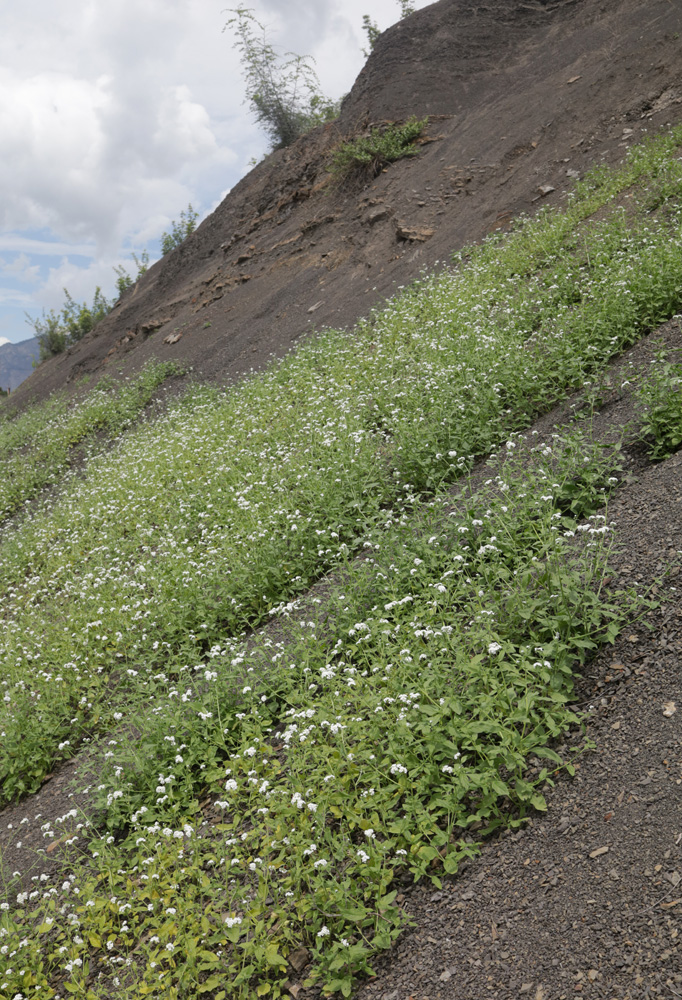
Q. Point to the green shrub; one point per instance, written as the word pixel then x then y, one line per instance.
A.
pixel 55 331
pixel 369 154
pixel 179 230
pixel 372 30
pixel 80 318
pixel 50 334
pixel 284 94
pixel 661 398
pixel 125 280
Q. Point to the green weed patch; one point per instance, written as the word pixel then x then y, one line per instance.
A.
pixel 367 155
pixel 279 788
pixel 388 739
pixel 36 447
pixel 660 396
pixel 193 528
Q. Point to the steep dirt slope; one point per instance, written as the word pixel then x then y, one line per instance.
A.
pixel 523 97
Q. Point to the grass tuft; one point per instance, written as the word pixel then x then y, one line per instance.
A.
pixel 367 155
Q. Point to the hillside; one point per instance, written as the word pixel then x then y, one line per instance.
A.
pixel 523 97
pixel 355 671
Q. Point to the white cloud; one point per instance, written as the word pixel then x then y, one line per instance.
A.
pixel 101 123
pixel 115 113
pixel 51 138
pixel 78 157
pixel 21 269
pixel 14 298
pixel 19 243
pixel 80 282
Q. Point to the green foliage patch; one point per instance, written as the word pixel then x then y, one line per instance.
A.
pixel 372 30
pixel 281 784
pixel 180 230
pixel 55 331
pixel 387 740
pixel 124 280
pixel 284 92
pixel 660 396
pixel 37 446
pixel 369 154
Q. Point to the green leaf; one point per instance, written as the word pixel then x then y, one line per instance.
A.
pixel 353 913
pixel 273 957
pixel 451 864
pixel 211 984
pixel 524 790
pixel 233 933
pixel 335 986
pixel 427 852
pixel 386 900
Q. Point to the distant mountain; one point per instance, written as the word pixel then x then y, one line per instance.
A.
pixel 16 362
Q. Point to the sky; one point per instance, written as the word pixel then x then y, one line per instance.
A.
pixel 115 116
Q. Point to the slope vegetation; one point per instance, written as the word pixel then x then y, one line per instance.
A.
pixel 263 773
pixel 298 639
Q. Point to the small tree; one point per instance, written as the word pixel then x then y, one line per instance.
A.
pixel 123 279
pixel 179 231
pixel 50 334
pixel 284 95
pixel 56 331
pixel 79 319
pixel 371 28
